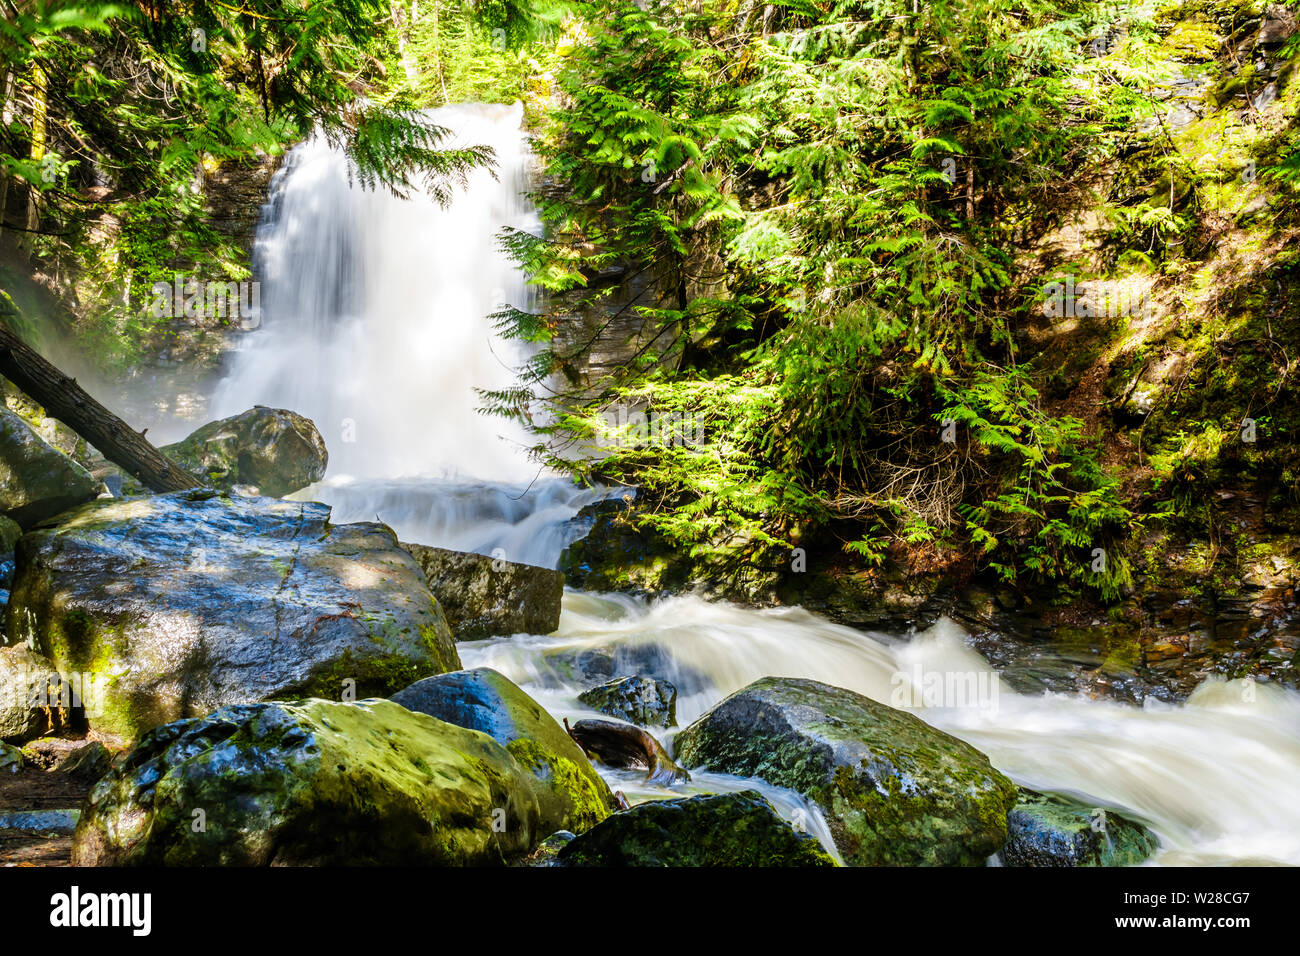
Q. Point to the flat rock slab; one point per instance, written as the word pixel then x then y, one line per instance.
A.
pixel 175 605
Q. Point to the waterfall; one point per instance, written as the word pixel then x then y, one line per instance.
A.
pixel 376 327
pixel 377 310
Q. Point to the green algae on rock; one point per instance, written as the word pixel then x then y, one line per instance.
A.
pixel 175 605
pixel 485 700
pixel 731 829
pixel 1048 829
pixel 895 791
pixel 314 783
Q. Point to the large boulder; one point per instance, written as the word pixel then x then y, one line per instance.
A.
pixel 174 605
pixel 485 596
pixel 487 701
pixel 34 700
pixel 731 829
pixel 1048 829
pixel 895 791
pixel 272 450
pixel 639 700
pixel 37 481
pixel 314 782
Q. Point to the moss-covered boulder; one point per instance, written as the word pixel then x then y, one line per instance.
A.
pixel 487 701
pixel 895 790
pixel 640 700
pixel 314 782
pixel 1048 829
pixel 485 596
pixel 37 481
pixel 175 605
pixel 272 450
pixel 731 829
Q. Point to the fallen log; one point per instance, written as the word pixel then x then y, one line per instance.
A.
pixel 625 747
pixel 64 399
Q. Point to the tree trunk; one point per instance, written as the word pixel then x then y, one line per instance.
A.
pixel 67 401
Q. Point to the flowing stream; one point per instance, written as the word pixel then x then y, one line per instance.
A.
pixel 376 327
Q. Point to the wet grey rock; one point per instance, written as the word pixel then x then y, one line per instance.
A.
pixel 1051 830
pixel 639 700
pixel 37 481
pixel 45 821
pixel 485 596
pixel 175 605
pixel 30 692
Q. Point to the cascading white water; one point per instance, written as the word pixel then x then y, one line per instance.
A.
pixel 1215 777
pixel 376 328
pixel 376 310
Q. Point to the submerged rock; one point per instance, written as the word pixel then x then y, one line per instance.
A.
pixel 272 450
pixel 731 829
pixel 315 782
pixel 625 747
pixel 486 701
pixel 619 658
pixel 485 596
pixel 174 605
pixel 639 700
pixel 895 791
pixel 37 481
pixel 1046 829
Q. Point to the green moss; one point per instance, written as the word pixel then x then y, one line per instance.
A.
pixel 379 675
pixel 588 799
